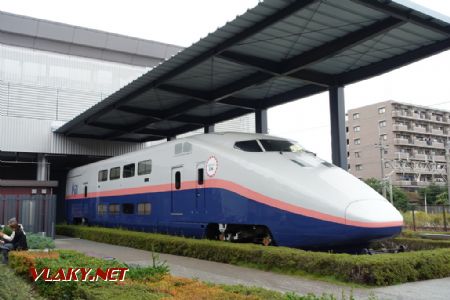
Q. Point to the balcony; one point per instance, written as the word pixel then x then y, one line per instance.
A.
pixel 437 131
pixel 420 143
pixel 401 155
pixel 402 183
pixel 438 145
pixel 420 129
pixel 398 127
pixel 399 113
pixel 439 157
pixel 421 183
pixel 420 156
pixel 400 141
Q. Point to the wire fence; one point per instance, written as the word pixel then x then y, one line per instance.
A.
pixel 35 212
pixel 430 217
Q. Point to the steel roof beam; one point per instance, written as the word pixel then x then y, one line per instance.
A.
pixel 294 94
pixel 392 63
pixel 207 97
pixel 406 16
pixel 272 67
pixel 239 37
pixel 292 66
pixel 338 45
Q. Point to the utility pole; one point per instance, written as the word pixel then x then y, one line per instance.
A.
pixel 383 180
pixel 447 159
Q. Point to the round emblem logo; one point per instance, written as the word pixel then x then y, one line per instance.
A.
pixel 211 166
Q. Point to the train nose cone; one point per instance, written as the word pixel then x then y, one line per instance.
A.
pixel 373 214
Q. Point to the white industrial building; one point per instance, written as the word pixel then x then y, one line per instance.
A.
pixel 51 72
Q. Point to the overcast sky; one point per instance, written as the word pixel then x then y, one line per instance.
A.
pixel 183 22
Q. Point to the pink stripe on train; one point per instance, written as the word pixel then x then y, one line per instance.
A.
pixel 243 191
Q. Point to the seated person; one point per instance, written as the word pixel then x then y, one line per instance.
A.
pixel 17 240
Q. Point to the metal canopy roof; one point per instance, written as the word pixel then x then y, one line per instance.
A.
pixel 275 53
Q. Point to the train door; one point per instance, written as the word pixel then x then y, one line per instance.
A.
pixel 176 191
pixel 200 188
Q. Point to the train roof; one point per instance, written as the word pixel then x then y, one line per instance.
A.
pixel 223 139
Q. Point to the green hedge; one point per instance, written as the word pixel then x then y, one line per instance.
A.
pixel 377 270
pixel 413 244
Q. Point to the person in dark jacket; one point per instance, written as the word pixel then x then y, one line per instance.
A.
pixel 16 241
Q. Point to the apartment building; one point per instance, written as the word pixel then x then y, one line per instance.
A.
pixel 401 142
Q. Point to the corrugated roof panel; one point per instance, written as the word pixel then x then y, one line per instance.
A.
pixel 319 41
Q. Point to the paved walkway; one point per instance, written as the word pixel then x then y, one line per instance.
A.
pixel 228 274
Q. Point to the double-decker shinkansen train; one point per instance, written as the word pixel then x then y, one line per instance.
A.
pixel 232 186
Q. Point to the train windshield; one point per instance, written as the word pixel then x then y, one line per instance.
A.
pixel 280 146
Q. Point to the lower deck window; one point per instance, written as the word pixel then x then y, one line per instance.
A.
pixel 144 208
pixel 114 209
pixel 128 208
pixel 102 209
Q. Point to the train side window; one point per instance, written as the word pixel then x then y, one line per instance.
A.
pixel 114 173
pixel 114 209
pixel 200 178
pixel 248 146
pixel 85 191
pixel 128 208
pixel 128 170
pixel 102 175
pixel 102 209
pixel 144 208
pixel 178 180
pixel 145 167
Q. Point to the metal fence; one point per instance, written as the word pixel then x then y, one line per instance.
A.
pixel 35 212
pixel 430 217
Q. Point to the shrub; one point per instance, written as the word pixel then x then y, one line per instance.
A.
pixel 372 270
pixel 36 241
pixel 7 230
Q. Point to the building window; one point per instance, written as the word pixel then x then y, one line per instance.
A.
pixel 355 116
pixel 128 208
pixel 144 209
pixel 114 209
pixel 102 175
pixel 102 209
pixel 382 110
pixel 357 141
pixel 114 173
pixel 357 128
pixel 128 170
pixel 358 167
pixel 357 155
pixel 382 124
pixel 384 137
pixel 386 165
pixel 145 167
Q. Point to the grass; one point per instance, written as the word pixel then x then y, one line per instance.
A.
pixel 13 287
pixel 373 270
pixel 146 284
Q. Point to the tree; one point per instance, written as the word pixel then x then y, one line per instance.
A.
pixel 442 199
pixel 398 196
pixel 432 191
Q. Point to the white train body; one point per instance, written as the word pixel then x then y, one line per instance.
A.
pixel 235 186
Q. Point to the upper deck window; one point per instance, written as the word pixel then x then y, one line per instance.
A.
pixel 114 173
pixel 102 175
pixel 248 146
pixel 128 170
pixel 280 146
pixel 145 167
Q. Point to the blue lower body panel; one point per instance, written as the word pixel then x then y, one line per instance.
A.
pixel 188 212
